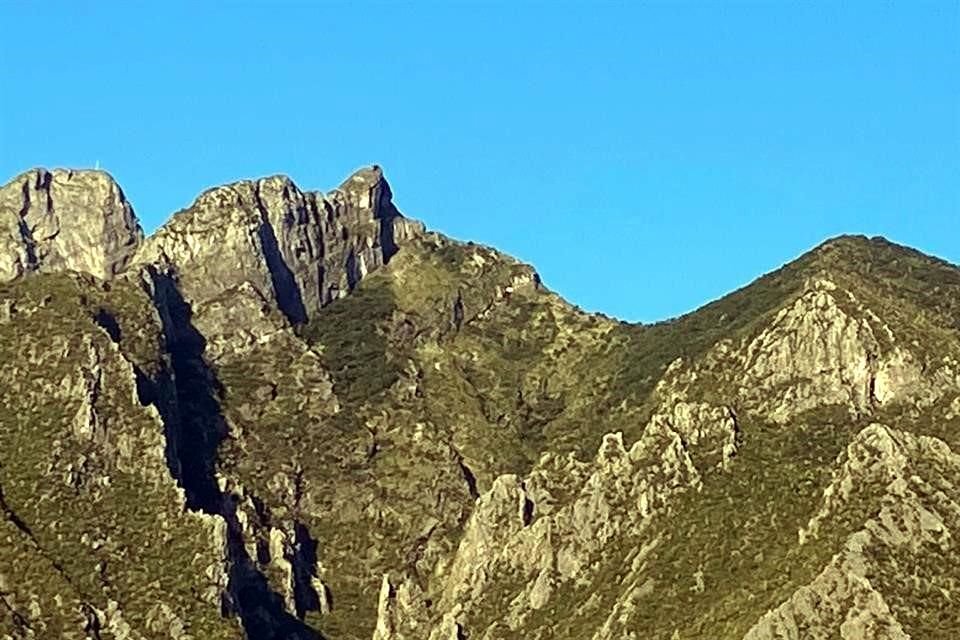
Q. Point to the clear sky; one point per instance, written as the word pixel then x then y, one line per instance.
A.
pixel 646 157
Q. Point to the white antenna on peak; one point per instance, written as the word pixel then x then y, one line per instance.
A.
pixel 97 166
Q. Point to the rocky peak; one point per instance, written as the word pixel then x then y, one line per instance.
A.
pixel 299 250
pixel 65 219
pixel 367 189
pixel 235 200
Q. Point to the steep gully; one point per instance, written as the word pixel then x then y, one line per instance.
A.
pixel 188 399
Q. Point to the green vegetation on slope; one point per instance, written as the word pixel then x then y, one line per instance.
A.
pixel 82 470
pixel 378 423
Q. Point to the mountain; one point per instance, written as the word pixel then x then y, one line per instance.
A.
pixel 290 414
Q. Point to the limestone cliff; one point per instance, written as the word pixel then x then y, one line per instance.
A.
pixel 289 414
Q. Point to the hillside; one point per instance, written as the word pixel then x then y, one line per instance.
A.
pixel 294 414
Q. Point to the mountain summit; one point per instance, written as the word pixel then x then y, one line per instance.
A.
pixel 61 219
pixel 294 414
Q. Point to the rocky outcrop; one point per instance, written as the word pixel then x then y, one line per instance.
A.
pixel 912 482
pixel 823 348
pixel 65 220
pixel 540 550
pixel 268 241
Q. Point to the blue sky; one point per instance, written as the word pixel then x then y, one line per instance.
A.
pixel 645 157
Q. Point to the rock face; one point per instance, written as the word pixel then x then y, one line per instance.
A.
pixel 61 219
pixel 297 415
pixel 298 251
pixel 916 516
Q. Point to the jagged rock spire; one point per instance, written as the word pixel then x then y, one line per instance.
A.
pixel 298 249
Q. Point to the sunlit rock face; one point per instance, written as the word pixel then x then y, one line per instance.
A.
pixel 289 414
pixel 297 250
pixel 63 219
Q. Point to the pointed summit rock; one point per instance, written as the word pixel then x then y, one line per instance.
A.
pixel 65 220
pixel 366 188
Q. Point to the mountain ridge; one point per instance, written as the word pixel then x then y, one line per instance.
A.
pixel 374 174
pixel 357 428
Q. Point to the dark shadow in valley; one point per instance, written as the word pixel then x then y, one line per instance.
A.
pixel 304 563
pixel 108 323
pixel 188 399
pixel 193 421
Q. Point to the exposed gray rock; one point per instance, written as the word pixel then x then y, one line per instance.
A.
pixel 917 514
pixel 270 240
pixel 63 219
